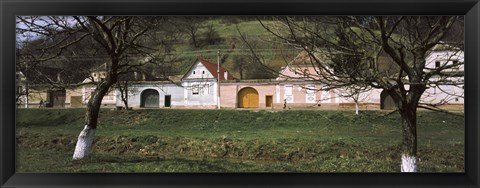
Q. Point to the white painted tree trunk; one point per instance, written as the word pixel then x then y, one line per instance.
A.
pixel 356 108
pixel 409 163
pixel 84 143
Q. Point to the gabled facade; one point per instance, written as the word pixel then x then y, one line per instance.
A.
pixel 447 89
pixel 196 89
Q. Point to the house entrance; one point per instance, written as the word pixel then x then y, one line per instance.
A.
pixel 150 99
pixel 56 98
pixel 269 101
pixel 168 100
pixel 248 98
pixel 386 101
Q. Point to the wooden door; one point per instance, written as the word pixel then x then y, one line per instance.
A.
pixel 56 98
pixel 248 98
pixel 269 101
pixel 76 101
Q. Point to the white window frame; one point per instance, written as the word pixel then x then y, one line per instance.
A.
pixel 195 89
pixel 288 90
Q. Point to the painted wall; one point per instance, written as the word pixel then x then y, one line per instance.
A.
pixel 75 92
pixel 198 71
pixel 444 94
pixel 294 72
pixel 201 92
pixel 445 58
pixel 300 96
pixel 110 99
pixel 229 93
pixel 163 89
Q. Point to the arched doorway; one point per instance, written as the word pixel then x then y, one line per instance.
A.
pixel 248 98
pixel 386 101
pixel 150 99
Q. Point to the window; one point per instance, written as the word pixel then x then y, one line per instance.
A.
pixel 195 89
pixel 455 62
pixel 288 90
pixel 193 72
pixel 456 99
pixel 203 72
pixel 310 89
pixel 437 64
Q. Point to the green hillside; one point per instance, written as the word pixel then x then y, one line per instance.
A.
pixel 232 47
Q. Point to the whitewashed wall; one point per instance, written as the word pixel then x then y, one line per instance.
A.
pixel 135 94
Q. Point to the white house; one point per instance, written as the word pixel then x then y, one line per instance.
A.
pixel 444 88
pixel 448 86
pixel 196 89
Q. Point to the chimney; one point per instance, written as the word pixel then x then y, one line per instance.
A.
pixel 225 75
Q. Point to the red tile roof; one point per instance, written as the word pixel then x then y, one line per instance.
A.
pixel 213 70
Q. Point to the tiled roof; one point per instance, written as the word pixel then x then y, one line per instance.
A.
pixel 213 70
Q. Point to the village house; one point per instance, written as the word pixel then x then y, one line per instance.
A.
pixel 195 89
pixel 446 88
pixel 293 88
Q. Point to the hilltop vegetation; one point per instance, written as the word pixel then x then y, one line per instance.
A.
pixel 221 34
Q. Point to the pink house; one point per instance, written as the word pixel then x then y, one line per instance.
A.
pixel 295 87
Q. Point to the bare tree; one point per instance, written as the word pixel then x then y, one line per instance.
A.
pixel 126 89
pixel 383 52
pixel 109 39
pixel 356 93
pixel 191 25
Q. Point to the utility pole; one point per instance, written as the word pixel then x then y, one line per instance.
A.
pixel 218 79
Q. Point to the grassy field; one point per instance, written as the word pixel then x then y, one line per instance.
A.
pixel 168 140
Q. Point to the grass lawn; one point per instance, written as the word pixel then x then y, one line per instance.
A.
pixel 174 140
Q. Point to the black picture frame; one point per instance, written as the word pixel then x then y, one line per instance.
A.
pixel 10 8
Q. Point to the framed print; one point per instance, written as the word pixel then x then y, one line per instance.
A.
pixel 239 93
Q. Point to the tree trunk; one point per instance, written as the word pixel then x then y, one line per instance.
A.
pixel 194 39
pixel 409 141
pixel 84 143
pixel 356 108
pixel 126 96
pixel 85 138
pixel 124 93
